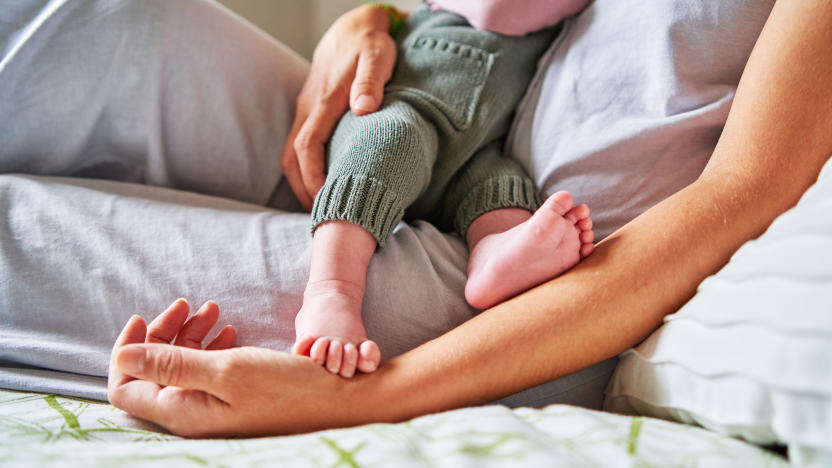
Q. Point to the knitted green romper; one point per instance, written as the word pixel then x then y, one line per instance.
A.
pixel 434 149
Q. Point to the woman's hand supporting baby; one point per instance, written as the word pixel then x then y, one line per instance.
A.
pixel 351 64
pixel 225 391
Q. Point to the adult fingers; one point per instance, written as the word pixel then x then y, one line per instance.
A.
pixel 182 411
pixel 224 339
pixel 289 162
pixel 174 365
pixel 134 332
pixel 313 135
pixel 373 70
pixel 167 324
pixel 196 328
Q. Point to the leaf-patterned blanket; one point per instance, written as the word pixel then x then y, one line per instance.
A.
pixel 46 430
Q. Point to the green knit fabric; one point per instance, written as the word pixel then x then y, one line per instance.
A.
pixel 487 181
pixel 432 151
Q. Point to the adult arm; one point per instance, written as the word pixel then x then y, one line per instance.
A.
pixel 350 66
pixel 776 139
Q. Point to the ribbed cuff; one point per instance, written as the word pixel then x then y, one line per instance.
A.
pixel 359 200
pixel 495 193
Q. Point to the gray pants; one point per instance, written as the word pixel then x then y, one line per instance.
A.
pixel 183 109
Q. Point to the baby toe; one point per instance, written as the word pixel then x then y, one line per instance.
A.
pixel 319 350
pixel 303 346
pixel 587 249
pixel 560 202
pixel 587 237
pixel 349 360
pixel 369 356
pixel 333 357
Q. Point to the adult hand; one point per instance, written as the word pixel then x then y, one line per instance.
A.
pixel 199 392
pixel 350 66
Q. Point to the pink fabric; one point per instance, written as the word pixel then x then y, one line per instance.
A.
pixel 511 17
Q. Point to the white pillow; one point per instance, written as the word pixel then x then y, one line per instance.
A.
pixel 751 354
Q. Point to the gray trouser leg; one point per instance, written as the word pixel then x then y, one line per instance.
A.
pixel 78 257
pixel 171 93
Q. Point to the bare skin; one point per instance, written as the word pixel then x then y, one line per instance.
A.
pixel 357 56
pixel 772 148
pixel 328 326
pixel 511 251
pixel 509 256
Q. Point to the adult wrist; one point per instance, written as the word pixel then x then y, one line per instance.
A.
pixel 382 396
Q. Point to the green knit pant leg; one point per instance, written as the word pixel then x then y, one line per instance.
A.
pixel 489 181
pixel 453 90
pixel 378 165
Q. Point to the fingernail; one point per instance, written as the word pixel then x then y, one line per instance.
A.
pixel 365 102
pixel 131 360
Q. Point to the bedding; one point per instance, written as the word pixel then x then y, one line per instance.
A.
pixel 40 430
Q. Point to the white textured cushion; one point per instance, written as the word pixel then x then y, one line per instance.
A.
pixel 751 354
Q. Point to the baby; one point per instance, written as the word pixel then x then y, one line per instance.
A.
pixel 433 151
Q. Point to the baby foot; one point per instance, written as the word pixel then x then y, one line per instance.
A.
pixel 554 239
pixel 329 329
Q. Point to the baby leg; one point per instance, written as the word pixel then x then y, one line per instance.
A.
pixel 513 250
pixel 328 326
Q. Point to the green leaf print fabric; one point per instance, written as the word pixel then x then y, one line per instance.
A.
pixel 38 430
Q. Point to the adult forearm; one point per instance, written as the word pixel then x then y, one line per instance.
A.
pixel 777 137
pixel 609 302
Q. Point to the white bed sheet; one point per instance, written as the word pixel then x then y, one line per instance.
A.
pixel 45 430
